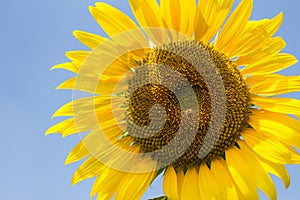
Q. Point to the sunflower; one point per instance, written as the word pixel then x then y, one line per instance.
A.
pixel 191 93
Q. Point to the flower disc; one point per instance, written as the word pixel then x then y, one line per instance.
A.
pixel 141 100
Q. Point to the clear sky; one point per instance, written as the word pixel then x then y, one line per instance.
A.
pixel 34 35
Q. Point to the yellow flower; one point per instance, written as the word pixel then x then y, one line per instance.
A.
pixel 190 92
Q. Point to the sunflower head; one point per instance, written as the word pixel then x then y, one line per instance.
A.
pixel 189 93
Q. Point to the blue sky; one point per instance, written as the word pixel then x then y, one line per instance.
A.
pixel 34 36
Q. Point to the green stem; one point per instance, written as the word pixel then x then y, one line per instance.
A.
pixel 160 198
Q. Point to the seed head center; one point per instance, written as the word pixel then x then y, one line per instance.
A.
pixel 186 102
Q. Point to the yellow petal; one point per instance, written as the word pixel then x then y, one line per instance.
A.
pixel 78 57
pixel 214 13
pixel 147 13
pixel 166 13
pixel 170 184
pixel 254 80
pixel 270 148
pixel 106 183
pixel 88 39
pixel 280 105
pixel 224 182
pixel 235 24
pixel 276 169
pixel 247 41
pixel 267 49
pixel 275 24
pixel 98 141
pixel 271 64
pixel 264 181
pixel 92 85
pixel 73 128
pixel 207 191
pixel 112 131
pixel 78 152
pixel 171 13
pixel 188 11
pixel 253 37
pixel 133 186
pixel 240 172
pixel 179 15
pixel 272 85
pixel 200 25
pixel 279 126
pixel 65 110
pixel 71 66
pixel 89 117
pixel 90 168
pixel 59 127
pixel 84 105
pixel 190 188
pixel 69 84
pixel 114 22
pixel 180 178
pixel 104 195
pixel 110 128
